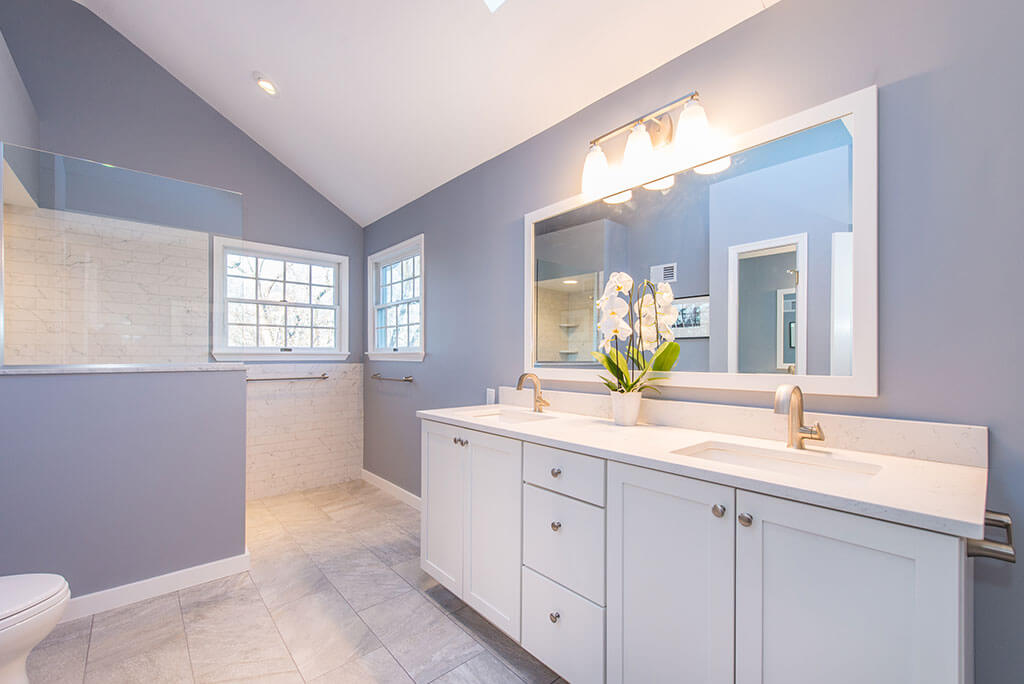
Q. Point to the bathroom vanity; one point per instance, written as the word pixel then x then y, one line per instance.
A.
pixel 661 553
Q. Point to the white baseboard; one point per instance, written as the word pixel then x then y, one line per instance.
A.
pixel 403 495
pixel 115 597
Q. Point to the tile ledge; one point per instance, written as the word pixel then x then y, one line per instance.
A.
pixel 121 368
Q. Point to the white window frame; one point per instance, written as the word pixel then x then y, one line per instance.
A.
pixel 221 350
pixel 410 247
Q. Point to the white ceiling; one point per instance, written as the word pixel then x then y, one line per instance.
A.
pixel 383 100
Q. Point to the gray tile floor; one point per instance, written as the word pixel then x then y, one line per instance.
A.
pixel 335 594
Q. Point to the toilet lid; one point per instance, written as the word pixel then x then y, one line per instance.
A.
pixel 20 592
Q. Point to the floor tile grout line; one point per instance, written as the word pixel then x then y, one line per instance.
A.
pixel 184 633
pixel 88 646
pixel 483 643
pixel 372 631
pixel 276 628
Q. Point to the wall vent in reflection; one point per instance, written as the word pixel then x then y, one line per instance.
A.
pixel 663 273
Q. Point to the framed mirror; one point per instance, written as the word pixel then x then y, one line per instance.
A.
pixel 770 249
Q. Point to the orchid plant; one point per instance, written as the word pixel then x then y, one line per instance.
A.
pixel 634 320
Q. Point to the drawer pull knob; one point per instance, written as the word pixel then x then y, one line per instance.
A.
pixel 745 519
pixel 718 510
pixel 555 526
pixel 460 441
pixel 556 471
pixel 554 616
pixel 455 440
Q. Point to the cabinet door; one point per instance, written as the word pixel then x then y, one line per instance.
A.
pixel 493 531
pixel 443 499
pixel 823 596
pixel 670 578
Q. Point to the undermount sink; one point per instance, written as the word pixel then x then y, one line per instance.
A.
pixel 790 461
pixel 511 416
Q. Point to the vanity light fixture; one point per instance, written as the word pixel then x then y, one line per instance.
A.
pixel 570 282
pixel 265 84
pixel 654 144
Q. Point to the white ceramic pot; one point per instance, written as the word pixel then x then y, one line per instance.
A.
pixel 625 407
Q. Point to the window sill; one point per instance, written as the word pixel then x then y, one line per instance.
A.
pixel 395 356
pixel 225 355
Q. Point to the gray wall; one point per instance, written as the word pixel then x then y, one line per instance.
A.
pixel 949 234
pixel 112 478
pixel 18 121
pixel 99 97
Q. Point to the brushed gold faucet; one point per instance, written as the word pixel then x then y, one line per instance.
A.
pixel 539 402
pixel 789 399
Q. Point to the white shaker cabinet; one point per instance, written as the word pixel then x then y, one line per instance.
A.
pixel 471 522
pixel 670 578
pixel 824 596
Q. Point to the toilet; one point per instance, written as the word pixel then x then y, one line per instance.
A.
pixel 30 607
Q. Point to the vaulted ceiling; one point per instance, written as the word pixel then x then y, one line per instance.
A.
pixel 380 101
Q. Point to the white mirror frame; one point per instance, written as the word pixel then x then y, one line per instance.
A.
pixel 863 382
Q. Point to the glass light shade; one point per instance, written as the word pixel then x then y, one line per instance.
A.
pixel 716 143
pixel 638 160
pixel 619 198
pixel 595 171
pixel 661 184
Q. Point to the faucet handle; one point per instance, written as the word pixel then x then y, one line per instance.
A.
pixel 813 432
pixel 541 400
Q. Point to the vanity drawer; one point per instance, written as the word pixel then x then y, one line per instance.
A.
pixel 564 471
pixel 564 631
pixel 564 539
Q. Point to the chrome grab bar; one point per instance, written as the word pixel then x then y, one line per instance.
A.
pixel 322 376
pixel 986 548
pixel 378 376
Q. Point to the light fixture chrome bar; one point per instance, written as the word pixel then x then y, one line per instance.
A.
pixel 692 95
pixel 322 376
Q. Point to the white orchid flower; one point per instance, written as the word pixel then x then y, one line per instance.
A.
pixel 645 308
pixel 612 328
pixel 599 304
pixel 665 295
pixel 648 335
pixel 615 307
pixel 618 282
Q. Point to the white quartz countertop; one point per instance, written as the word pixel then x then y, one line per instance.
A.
pixel 941 497
pixel 122 368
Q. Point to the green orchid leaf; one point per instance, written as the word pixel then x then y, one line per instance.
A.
pixel 609 365
pixel 616 356
pixel 665 357
pixel 637 357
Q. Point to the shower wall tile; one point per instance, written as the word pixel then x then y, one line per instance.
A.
pixel 303 434
pixel 89 289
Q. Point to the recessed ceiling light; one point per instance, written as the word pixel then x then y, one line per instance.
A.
pixel 493 5
pixel 569 282
pixel 265 83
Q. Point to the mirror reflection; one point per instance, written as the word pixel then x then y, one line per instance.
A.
pixel 759 253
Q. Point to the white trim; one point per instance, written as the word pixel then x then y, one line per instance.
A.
pixel 768 247
pixel 399 356
pixel 341 330
pixel 780 328
pixel 389 487
pixel 863 105
pixel 115 597
pixel 412 246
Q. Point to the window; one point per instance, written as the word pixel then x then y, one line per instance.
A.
pixel 395 293
pixel 277 302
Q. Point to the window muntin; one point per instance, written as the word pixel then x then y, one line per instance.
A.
pixel 279 303
pixel 397 313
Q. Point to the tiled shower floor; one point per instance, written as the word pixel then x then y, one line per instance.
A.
pixel 335 594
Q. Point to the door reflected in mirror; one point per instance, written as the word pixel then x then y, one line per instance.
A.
pixel 759 256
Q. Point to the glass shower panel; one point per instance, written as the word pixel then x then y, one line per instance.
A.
pixel 103 265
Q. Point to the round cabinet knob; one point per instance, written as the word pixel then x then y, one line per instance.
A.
pixel 745 519
pixel 455 440
pixel 555 526
pixel 554 616
pixel 718 510
pixel 556 471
